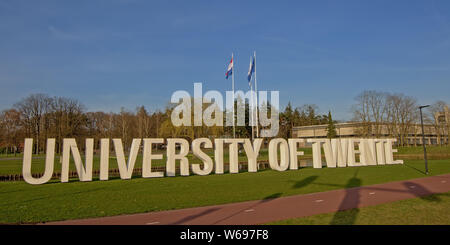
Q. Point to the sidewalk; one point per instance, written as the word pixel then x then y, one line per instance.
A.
pixel 263 211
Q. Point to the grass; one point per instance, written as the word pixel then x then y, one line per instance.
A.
pixel 445 150
pixel 416 152
pixel 14 166
pixel 428 210
pixel 24 203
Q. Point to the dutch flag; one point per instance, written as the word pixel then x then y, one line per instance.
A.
pixel 230 69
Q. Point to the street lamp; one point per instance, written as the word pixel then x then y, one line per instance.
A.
pixel 423 138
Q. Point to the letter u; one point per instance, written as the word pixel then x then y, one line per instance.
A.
pixel 49 162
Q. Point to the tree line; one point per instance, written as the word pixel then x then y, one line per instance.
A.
pixel 397 115
pixel 40 116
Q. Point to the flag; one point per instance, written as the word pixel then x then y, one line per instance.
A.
pixel 251 69
pixel 230 69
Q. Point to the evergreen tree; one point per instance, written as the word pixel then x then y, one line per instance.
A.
pixel 331 129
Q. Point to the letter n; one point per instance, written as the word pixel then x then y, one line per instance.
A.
pixel 84 172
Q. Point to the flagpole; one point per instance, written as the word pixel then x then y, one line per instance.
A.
pixel 251 106
pixel 232 85
pixel 256 92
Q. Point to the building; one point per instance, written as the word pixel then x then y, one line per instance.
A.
pixel 435 134
pixel 443 118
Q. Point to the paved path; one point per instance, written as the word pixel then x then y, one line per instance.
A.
pixel 263 211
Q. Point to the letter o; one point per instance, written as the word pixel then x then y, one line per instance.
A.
pixel 284 154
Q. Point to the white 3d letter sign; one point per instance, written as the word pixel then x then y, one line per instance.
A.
pixel 283 155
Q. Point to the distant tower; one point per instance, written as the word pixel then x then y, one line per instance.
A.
pixel 447 115
pixel 443 117
pixel 442 120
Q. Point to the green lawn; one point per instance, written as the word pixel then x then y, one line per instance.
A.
pixel 14 165
pixel 429 210
pixel 23 203
pixel 445 149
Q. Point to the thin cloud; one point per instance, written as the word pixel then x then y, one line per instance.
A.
pixel 59 34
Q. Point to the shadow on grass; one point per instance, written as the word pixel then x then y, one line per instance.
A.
pixel 418 170
pixel 304 182
pixel 351 200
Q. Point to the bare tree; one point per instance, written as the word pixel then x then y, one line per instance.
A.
pixel 380 111
pixel 32 109
pixel 126 122
pixel 12 130
pixel 67 119
pixel 402 112
pixel 143 122
pixel 371 109
pixel 98 126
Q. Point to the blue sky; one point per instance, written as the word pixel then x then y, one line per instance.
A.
pixel 110 54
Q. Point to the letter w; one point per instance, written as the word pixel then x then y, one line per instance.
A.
pixel 336 152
